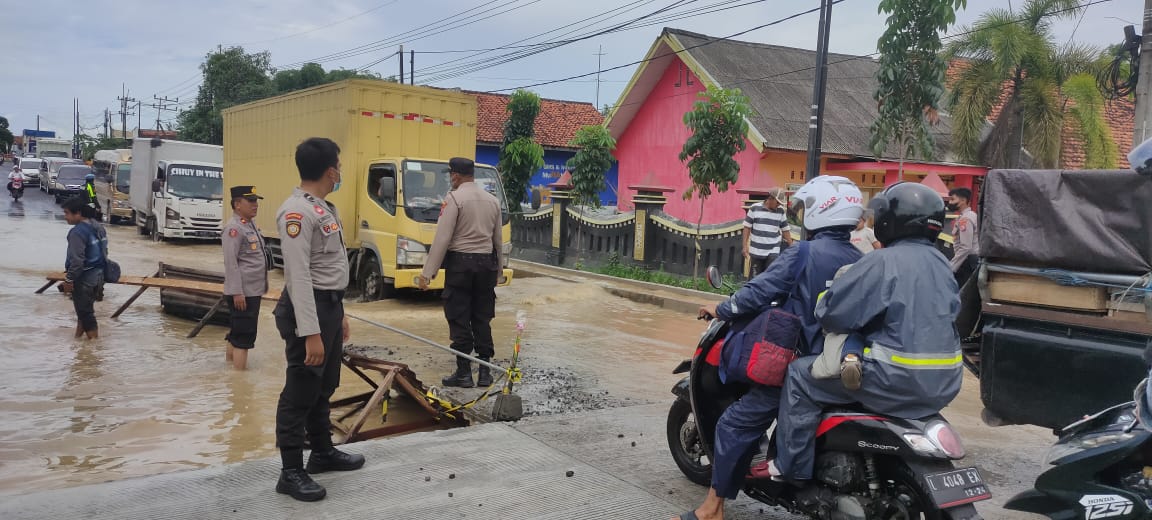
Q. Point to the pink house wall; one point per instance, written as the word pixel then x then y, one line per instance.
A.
pixel 652 142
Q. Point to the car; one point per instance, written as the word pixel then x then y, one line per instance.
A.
pixel 70 180
pixel 30 169
pixel 48 182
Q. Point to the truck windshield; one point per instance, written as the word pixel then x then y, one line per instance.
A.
pixel 426 184
pixel 196 182
pixel 124 177
pixel 54 154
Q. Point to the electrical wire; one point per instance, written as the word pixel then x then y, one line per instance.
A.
pixel 338 22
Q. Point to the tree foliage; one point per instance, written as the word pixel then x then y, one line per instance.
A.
pixel 718 122
pixel 590 165
pixel 6 137
pixel 89 145
pixel 520 155
pixel 910 80
pixel 233 77
pixel 1018 49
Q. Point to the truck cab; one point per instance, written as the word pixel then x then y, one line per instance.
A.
pixel 397 217
pixel 187 200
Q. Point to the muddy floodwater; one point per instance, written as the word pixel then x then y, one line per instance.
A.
pixel 143 399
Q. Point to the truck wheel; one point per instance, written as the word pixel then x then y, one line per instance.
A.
pixel 371 281
pixel 153 230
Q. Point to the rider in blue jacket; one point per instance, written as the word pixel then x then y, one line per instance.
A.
pixel 831 207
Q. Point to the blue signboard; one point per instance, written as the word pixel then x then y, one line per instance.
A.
pixel 39 133
pixel 554 167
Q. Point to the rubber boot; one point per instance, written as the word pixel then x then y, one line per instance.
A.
pixel 462 378
pixel 484 375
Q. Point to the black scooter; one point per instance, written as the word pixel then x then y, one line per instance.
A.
pixel 1102 468
pixel 15 192
pixel 868 466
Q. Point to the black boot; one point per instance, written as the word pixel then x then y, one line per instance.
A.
pixel 333 460
pixel 297 483
pixel 484 375
pixel 462 378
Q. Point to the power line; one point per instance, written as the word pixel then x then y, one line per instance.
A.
pixel 338 22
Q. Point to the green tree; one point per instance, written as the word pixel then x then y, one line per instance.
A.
pixel 520 155
pixel 589 167
pixel 719 123
pixel 1016 48
pixel 910 79
pixel 89 145
pixel 231 77
pixel 6 137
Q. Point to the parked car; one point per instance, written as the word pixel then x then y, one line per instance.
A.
pixel 30 169
pixel 70 180
pixel 48 182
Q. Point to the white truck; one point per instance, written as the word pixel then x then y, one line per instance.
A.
pixel 177 189
pixel 51 147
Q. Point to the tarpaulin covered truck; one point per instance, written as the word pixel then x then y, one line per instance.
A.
pixel 395 142
pixel 1063 301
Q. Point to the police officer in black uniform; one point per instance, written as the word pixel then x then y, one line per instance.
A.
pixel 310 318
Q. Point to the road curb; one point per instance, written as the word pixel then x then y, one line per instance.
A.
pixel 672 298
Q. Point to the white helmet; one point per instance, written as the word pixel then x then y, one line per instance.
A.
pixel 829 201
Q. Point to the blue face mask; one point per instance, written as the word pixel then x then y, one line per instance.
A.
pixel 336 187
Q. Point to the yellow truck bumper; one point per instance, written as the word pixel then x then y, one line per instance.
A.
pixel 406 279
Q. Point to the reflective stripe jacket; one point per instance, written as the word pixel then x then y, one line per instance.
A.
pixel 827 252
pixel 903 299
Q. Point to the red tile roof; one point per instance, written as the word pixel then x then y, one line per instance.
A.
pixel 1120 115
pixel 555 126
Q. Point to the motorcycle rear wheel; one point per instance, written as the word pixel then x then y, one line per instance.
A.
pixel 684 443
pixel 908 500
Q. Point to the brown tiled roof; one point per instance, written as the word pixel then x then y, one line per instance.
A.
pixel 555 126
pixel 1118 114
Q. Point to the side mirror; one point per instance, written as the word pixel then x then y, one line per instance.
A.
pixel 388 189
pixel 157 186
pixel 715 279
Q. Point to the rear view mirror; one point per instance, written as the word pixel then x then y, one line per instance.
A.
pixel 715 279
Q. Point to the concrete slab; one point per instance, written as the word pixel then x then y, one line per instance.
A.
pixel 499 473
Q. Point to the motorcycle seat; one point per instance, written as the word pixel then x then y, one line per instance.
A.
pixel 848 408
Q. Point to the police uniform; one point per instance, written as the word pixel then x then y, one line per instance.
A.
pixel 315 276
pixel 468 245
pixel 93 201
pixel 245 272
pixel 966 248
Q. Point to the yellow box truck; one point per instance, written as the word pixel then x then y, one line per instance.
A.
pixel 395 141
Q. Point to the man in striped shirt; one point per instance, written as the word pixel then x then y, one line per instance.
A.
pixel 765 227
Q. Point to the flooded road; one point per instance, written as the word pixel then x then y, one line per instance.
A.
pixel 143 399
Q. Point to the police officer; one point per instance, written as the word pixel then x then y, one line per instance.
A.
pixel 245 273
pixel 90 193
pixel 467 243
pixel 310 318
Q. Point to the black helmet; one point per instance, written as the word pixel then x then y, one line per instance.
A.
pixel 907 209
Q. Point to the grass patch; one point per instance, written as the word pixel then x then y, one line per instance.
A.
pixel 638 273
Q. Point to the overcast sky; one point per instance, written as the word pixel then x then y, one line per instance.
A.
pixel 63 49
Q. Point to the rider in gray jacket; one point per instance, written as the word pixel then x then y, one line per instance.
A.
pixel 903 300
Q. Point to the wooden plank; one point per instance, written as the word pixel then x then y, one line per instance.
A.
pixel 416 394
pixel 207 316
pixel 385 431
pixel 1067 318
pixel 1034 290
pixel 373 404
pixel 209 288
pixel 46 286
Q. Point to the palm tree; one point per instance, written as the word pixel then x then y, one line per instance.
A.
pixel 1014 50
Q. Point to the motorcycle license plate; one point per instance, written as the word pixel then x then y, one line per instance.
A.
pixel 957 487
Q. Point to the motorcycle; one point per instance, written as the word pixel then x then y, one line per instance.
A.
pixel 16 188
pixel 1102 468
pixel 868 466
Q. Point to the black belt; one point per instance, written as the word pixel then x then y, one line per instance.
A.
pixel 470 255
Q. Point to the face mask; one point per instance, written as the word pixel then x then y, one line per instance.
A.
pixel 336 186
pixel 952 207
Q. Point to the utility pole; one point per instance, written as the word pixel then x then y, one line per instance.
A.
pixel 76 129
pixel 411 67
pixel 1143 91
pixel 401 53
pixel 161 105
pixel 107 120
pixel 599 55
pixel 124 101
pixel 816 120
pixel 139 117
